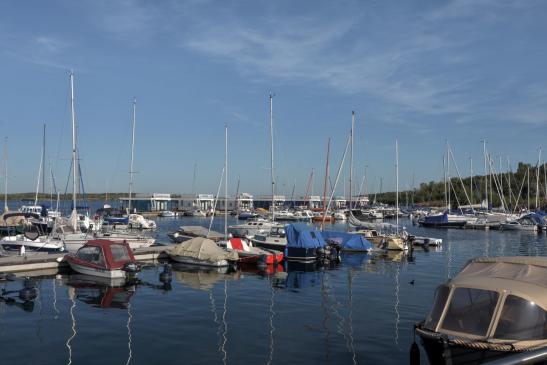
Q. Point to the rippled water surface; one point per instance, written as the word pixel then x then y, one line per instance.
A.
pixel 360 311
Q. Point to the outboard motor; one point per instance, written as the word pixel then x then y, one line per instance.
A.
pixel 29 291
pixel 320 253
pixel 131 269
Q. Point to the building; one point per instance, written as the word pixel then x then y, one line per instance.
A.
pixel 148 202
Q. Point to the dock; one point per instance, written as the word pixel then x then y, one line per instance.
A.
pixel 54 262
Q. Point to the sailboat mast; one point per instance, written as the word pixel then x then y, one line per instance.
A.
pixel 326 178
pixel 449 186
pixel 272 157
pixel 73 117
pixel 471 190
pixel 397 184
pixel 133 119
pixel 537 179
pixel 226 182
pixel 351 158
pixel 44 161
pixel 6 175
pixel 485 173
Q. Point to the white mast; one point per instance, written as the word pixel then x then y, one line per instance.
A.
pixel 485 173
pixel 272 157
pixel 397 184
pixel 351 158
pixel 131 172
pixel 537 180
pixel 449 186
pixel 226 182
pixel 6 175
pixel 74 213
pixel 471 190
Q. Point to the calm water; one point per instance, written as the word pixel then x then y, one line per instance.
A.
pixel 360 311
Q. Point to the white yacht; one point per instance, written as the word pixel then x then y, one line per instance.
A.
pixel 251 227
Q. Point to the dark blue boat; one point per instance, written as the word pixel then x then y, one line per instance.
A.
pixel 347 241
pixel 305 243
pixel 440 221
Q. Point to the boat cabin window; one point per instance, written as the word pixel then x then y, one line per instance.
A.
pixel 119 253
pixel 91 254
pixel 470 311
pixel 439 302
pixel 521 319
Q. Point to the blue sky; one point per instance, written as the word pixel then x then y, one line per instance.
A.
pixel 419 71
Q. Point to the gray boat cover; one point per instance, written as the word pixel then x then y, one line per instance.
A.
pixel 203 249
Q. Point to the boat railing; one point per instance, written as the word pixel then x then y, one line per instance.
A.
pixel 522 358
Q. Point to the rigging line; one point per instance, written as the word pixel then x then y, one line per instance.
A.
pixel 129 337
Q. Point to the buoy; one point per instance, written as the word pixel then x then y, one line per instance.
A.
pixel 166 276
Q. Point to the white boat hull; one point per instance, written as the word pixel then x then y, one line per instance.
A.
pixel 86 270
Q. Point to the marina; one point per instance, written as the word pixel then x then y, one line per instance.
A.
pixel 354 311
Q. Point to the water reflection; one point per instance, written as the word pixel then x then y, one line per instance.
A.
pixel 19 293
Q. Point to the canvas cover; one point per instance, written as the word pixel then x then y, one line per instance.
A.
pixel 348 241
pixel 203 249
pixel 521 275
pixel 303 236
pixel 202 232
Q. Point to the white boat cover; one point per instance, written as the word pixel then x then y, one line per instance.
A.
pixel 203 249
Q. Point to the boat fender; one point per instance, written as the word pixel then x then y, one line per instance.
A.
pixel 414 354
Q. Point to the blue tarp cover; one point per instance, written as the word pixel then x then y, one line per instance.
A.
pixel 442 218
pixel 348 241
pixel 300 235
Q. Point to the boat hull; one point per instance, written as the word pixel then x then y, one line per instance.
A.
pixel 87 270
pixel 300 254
pixel 194 261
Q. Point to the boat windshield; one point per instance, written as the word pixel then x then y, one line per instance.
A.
pixel 521 319
pixel 119 253
pixel 92 254
pixel 470 311
pixel 439 302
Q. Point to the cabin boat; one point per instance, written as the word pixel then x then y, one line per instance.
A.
pixel 382 241
pixel 139 222
pixel 249 254
pixel 443 220
pixel 104 258
pixel 275 239
pixel 203 252
pixel 494 307
pixel 252 227
pixel 31 241
pixel 526 223
pixel 167 214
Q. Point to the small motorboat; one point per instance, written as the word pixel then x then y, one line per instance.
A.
pixel 275 239
pixel 204 252
pixel 494 307
pixel 255 255
pixel 104 258
pixel 186 233
pixel 167 214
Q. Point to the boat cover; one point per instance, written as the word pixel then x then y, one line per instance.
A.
pixel 203 249
pixel 521 275
pixel 202 232
pixel 348 241
pixel 303 236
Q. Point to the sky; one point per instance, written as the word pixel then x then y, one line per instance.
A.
pixel 423 73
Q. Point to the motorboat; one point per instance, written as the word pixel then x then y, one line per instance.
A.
pixel 252 227
pixel 139 222
pixel 167 214
pixel 249 254
pixel 306 244
pixel 203 252
pixel 74 240
pixel 285 215
pixel 246 215
pixel 104 258
pixel 392 242
pixel 493 308
pixel 31 241
pixel 526 223
pixel 303 215
pixel 186 233
pixel 275 239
